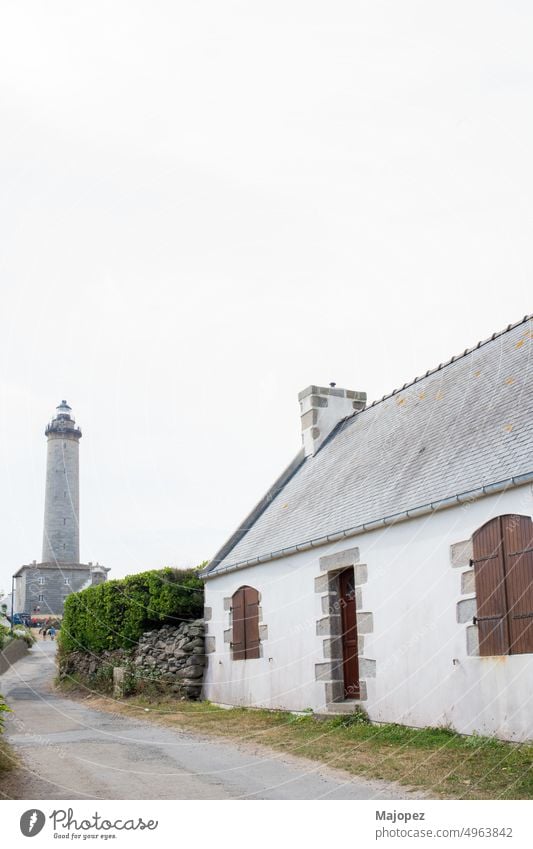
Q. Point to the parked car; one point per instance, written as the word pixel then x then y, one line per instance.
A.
pixel 20 619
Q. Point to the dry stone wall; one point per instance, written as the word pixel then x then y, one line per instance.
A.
pixel 175 655
pixel 172 658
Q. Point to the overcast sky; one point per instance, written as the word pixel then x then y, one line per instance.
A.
pixel 208 206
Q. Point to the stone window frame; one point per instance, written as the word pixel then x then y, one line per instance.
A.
pixel 461 555
pixel 228 632
pixel 210 639
pixel 330 671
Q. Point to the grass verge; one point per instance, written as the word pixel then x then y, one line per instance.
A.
pixel 8 759
pixel 435 761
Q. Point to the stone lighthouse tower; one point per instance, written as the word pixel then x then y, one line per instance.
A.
pixel 61 539
pixel 41 588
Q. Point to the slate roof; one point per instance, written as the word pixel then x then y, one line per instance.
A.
pixel 464 425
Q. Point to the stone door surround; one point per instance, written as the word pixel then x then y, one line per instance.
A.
pixel 329 627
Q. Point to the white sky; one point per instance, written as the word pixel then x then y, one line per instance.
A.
pixel 207 206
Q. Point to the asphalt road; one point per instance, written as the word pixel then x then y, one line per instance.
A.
pixel 70 751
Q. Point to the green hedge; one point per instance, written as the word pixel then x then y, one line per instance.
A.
pixel 114 614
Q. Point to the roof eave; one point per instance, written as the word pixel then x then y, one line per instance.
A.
pixel 365 527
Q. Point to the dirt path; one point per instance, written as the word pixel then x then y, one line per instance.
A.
pixel 71 751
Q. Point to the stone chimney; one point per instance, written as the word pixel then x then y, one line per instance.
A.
pixel 321 408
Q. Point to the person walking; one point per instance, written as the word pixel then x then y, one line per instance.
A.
pixel 52 632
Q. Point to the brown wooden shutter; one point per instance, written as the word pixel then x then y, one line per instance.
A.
pixel 518 553
pixel 251 619
pixel 489 577
pixel 238 642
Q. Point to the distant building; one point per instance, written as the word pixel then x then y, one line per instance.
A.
pixel 41 588
pixel 5 603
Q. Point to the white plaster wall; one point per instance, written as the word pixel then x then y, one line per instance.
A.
pixel 285 675
pixel 424 675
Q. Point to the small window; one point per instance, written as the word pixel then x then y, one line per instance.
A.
pixel 66 581
pixel 64 521
pixel 41 597
pixel 245 624
pixel 40 581
pixel 503 573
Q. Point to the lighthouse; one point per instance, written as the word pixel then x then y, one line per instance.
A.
pixel 41 588
pixel 61 538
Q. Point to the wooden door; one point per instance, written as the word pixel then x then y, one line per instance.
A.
pixel 349 634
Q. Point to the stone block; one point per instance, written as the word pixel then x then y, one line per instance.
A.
pixel 210 645
pixel 367 668
pixel 334 691
pixel 208 613
pixel 360 572
pixel 192 672
pixel 310 418
pixel 356 396
pixel 309 390
pixel 472 640
pixel 332 648
pixel 263 632
pixel 227 603
pixel 365 622
pixel 329 626
pixel 227 635
pixel 324 672
pixel 461 553
pixel 329 603
pixel 196 660
pixel 118 681
pixel 466 610
pixel 468 583
pixel 323 627
pixel 339 560
pixel 322 584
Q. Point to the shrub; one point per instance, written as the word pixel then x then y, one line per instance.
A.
pixel 358 716
pixel 3 709
pixel 20 632
pixel 114 614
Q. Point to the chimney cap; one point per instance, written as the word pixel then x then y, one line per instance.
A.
pixel 333 384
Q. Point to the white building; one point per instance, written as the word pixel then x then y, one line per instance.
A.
pixel 391 565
